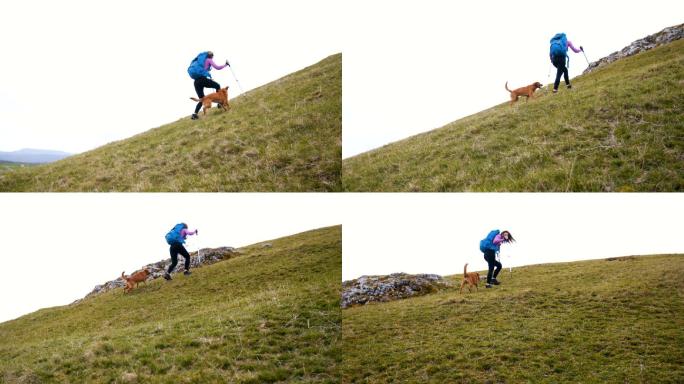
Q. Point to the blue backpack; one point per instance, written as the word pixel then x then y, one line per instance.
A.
pixel 174 235
pixel 488 242
pixel 559 45
pixel 196 69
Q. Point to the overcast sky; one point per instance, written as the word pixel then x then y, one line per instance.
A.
pixel 438 233
pixel 413 66
pixel 57 247
pixel 79 74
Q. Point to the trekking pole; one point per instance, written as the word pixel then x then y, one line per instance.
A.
pixel 199 255
pixel 235 77
pixel 585 55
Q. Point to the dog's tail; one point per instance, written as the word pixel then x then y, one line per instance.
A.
pixel 465 270
pixel 195 99
pixel 507 87
pixel 123 276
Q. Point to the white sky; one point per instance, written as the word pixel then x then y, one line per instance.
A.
pixel 79 74
pixel 57 247
pixel 413 66
pixel 438 233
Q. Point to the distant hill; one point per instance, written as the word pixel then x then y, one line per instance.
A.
pixel 28 155
pixel 270 314
pixel 618 129
pixel 285 136
pixel 617 320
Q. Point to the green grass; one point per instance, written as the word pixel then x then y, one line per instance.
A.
pixel 270 315
pixel 6 166
pixel 598 321
pixel 283 136
pixel 619 129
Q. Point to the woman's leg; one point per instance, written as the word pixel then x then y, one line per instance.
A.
pixel 186 256
pixel 200 84
pixel 498 266
pixel 559 63
pixel 566 77
pixel 199 89
pixel 489 258
pixel 173 250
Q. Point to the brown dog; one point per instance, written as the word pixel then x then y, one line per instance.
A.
pixel 136 278
pixel 220 97
pixel 472 278
pixel 523 91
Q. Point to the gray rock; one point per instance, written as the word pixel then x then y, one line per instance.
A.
pixel 396 286
pixel 665 36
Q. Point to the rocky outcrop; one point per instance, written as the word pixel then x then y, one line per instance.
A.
pixel 665 36
pixel 396 286
pixel 205 256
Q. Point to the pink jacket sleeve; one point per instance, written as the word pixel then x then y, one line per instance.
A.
pixel 498 239
pixel 186 232
pixel 210 63
pixel 573 47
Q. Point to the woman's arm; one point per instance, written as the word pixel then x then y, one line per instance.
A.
pixel 186 232
pixel 210 63
pixel 573 47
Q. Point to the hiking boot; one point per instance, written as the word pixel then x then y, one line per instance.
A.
pixel 555 90
pixel 194 116
pixel 495 282
pixel 488 286
pixel 569 86
pixel 186 273
pixel 167 276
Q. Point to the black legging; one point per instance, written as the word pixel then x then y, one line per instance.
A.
pixel 175 249
pixel 490 258
pixel 200 84
pixel 561 69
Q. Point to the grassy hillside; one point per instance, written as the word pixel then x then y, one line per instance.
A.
pixel 9 166
pixel 601 321
pixel 284 136
pixel 271 315
pixel 619 129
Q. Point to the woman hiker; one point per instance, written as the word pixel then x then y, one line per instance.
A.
pixel 558 53
pixel 176 238
pixel 490 247
pixel 199 70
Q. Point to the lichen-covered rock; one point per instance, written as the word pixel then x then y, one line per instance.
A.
pixel 396 286
pixel 665 36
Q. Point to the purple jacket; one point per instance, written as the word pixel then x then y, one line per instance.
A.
pixel 185 232
pixel 210 63
pixel 498 239
pixel 573 47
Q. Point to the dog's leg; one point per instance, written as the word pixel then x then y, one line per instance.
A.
pixel 461 290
